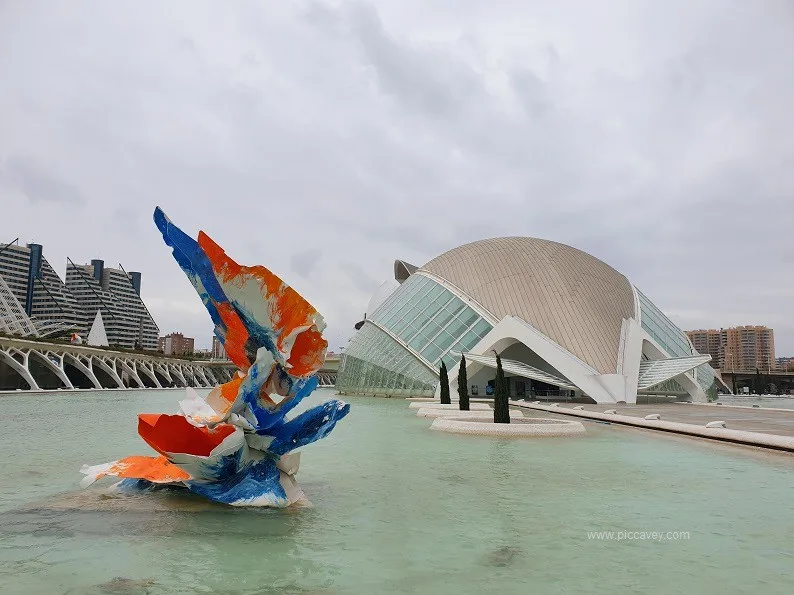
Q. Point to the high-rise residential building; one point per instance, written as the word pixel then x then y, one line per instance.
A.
pixel 707 341
pixel 116 294
pixel 748 348
pixel 175 344
pixel 218 352
pixel 35 302
pixel 740 348
pixel 38 290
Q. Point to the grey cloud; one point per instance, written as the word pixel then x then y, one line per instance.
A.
pixel 658 138
pixel 428 80
pixel 38 183
pixel 305 262
pixel 362 280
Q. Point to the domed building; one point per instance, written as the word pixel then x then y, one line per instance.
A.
pixel 565 324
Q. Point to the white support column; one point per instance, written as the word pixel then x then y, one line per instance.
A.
pixel 142 366
pixel 212 376
pixel 163 369
pixel 89 373
pixel 178 373
pixel 42 357
pixel 200 370
pixel 108 369
pixel 22 369
pixel 130 369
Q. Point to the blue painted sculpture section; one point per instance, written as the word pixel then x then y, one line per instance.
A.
pixel 236 446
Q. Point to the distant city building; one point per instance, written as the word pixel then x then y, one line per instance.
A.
pixel 218 352
pixel 708 341
pixel 737 348
pixel 116 294
pixel 175 344
pixel 785 364
pixel 39 299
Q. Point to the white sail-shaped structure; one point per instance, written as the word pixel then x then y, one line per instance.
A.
pixel 97 335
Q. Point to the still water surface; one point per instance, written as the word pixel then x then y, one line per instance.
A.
pixel 397 509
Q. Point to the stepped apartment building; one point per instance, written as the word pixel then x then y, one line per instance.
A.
pixel 116 294
pixel 35 301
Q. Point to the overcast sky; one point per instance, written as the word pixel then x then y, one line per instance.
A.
pixel 325 139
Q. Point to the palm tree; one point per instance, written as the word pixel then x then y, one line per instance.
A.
pixel 444 385
pixel 463 385
pixel 501 409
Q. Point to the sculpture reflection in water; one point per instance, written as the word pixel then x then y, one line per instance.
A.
pixel 236 446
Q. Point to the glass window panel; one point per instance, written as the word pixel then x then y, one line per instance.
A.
pixel 409 333
pixel 418 342
pixel 431 352
pixel 482 328
pixel 420 320
pixel 431 329
pixel 468 316
pixel 469 340
pixel 400 327
pixel 422 302
pixel 455 307
pixel 373 362
pixel 443 317
pixel 435 292
pixel 444 340
pixel 456 328
pixel 451 361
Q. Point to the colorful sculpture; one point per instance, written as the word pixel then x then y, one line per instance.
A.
pixel 236 446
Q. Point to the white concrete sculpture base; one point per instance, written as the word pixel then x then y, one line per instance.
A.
pixel 525 427
pixel 483 415
pixel 456 406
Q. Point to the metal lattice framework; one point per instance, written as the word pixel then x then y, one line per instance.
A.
pixel 13 319
pixel 327 379
pixel 50 366
pixel 43 365
pixel 653 372
pixel 520 369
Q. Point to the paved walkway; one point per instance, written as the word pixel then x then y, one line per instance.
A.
pixel 758 427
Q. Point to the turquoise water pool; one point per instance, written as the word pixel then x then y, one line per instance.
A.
pixel 397 509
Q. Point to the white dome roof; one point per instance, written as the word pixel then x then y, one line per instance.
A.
pixel 570 296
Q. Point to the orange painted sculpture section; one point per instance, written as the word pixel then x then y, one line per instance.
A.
pixel 229 446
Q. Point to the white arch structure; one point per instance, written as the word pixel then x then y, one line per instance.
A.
pixel 46 366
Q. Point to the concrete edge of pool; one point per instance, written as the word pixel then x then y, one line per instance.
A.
pixel 431 412
pixel 772 441
pixel 522 427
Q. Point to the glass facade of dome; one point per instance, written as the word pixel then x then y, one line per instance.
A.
pixel 673 340
pixel 400 348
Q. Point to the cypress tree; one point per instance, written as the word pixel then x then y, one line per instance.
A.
pixel 444 385
pixel 463 385
pixel 501 409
